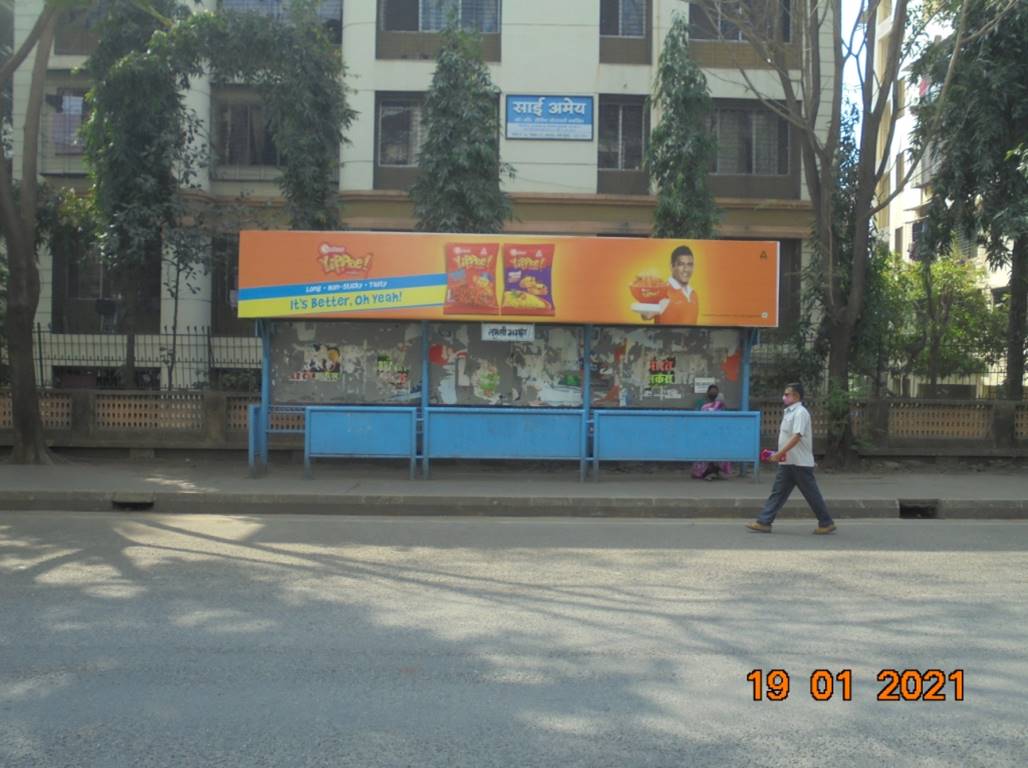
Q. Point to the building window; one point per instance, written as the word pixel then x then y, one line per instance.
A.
pixel 898 244
pixel 87 278
pixel 622 134
pixel 431 15
pixel 243 135
pixel 773 18
pixel 76 32
pixel 330 12
pixel 399 132
pixel 917 232
pixel 623 18
pixel 901 169
pixel 752 142
pixel 69 112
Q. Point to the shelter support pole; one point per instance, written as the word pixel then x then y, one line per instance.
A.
pixel 425 371
pixel 587 399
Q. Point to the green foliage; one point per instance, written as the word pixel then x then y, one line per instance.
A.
pixel 682 146
pixel 133 137
pixel 979 186
pixel 300 77
pixel 836 405
pixel 949 326
pixel 975 135
pixel 887 309
pixel 458 184
pixel 799 356
pixel 143 145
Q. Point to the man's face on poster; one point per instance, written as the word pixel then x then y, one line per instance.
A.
pixel 681 270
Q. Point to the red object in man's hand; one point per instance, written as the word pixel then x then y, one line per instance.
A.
pixel 767 453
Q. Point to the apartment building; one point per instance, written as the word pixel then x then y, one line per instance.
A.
pixel 599 55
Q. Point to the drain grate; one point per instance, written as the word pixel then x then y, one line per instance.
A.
pixel 132 502
pixel 919 509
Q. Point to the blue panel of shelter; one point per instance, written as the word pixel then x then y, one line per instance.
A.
pixel 505 433
pixel 360 431
pixel 638 435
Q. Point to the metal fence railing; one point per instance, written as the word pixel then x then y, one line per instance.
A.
pixel 190 358
pixel 774 365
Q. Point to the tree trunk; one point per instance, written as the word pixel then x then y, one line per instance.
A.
pixel 839 448
pixel 1016 321
pixel 934 355
pixel 23 293
pixel 19 225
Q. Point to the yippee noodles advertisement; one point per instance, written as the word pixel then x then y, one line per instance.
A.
pixel 575 280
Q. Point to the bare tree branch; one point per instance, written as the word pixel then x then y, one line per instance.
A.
pixel 993 23
pixel 8 68
pixel 30 158
pixel 916 155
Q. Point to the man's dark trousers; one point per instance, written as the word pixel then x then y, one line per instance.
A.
pixel 788 477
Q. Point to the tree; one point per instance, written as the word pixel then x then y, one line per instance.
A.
pixel 979 187
pixel 134 141
pixel 318 99
pixel 301 79
pixel 681 147
pixel 807 73
pixel 877 341
pixel 948 326
pixel 459 167
pixel 18 224
pixel 144 147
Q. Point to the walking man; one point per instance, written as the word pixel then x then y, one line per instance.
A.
pixel 795 458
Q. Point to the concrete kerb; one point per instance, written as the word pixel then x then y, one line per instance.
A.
pixel 481 506
pixel 983 510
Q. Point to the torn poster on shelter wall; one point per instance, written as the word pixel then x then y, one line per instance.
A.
pixel 662 371
pixel 321 362
pixel 658 366
pixel 346 362
pixel 394 374
pixel 465 370
pixel 549 371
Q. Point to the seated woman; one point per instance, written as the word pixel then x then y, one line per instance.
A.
pixel 712 470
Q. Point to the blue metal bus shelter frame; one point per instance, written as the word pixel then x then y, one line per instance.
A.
pixel 587 435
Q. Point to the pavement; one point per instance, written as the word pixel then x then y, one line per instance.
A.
pixel 219 483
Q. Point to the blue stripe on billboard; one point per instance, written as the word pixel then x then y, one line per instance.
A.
pixel 340 286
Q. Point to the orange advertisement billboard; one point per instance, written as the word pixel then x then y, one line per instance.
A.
pixel 524 278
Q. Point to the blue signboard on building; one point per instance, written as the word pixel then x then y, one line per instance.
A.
pixel 565 118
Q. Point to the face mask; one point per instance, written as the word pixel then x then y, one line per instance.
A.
pixel 785 399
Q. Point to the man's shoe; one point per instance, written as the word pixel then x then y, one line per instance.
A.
pixel 759 527
pixel 822 530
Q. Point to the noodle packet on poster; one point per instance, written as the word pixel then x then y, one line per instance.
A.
pixel 471 279
pixel 528 280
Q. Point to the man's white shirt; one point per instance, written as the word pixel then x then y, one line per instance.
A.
pixel 796 421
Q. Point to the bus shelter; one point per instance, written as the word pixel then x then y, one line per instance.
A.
pixel 437 346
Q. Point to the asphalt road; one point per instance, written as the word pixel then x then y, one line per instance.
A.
pixel 148 640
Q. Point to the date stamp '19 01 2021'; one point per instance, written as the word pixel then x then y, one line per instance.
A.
pixel 906 685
